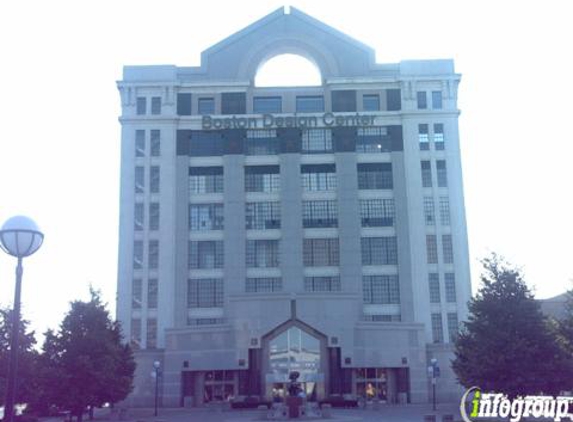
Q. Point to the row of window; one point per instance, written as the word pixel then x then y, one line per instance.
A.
pixel 435 98
pixel 154 179
pixel 342 101
pixel 441 173
pixel 320 252
pixel 209 143
pixel 314 177
pixel 137 293
pixel 141 143
pixel 267 215
pixel 443 210
pixel 432 249
pixel 438 330
pixel 437 136
pixel 449 284
pixel 139 216
pixel 151 333
pixel 145 105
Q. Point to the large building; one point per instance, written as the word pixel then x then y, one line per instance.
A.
pixel 265 230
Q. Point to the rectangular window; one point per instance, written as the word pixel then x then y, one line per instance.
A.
pixel 318 177
pixel 423 137
pixel 153 254
pixel 154 216
pixel 439 144
pixel 138 216
pixel 135 340
pixel 437 99
pixel 206 106
pixel 444 211
pixel 205 180
pixel 375 176
pixel 155 141
pixel 429 212
pixel 233 103
pixel 137 254
pixel 262 179
pixel 267 105
pixel 321 252
pixel 393 99
pixel 155 105
pixel 206 144
pixel 316 141
pixel 154 179
pixel 426 174
pixel 453 326
pixel 448 249
pixel 322 284
pixel 343 100
pixel 431 249
pixel 262 253
pixel 152 291
pixel 140 143
pixel 379 250
pixel 317 214
pixel 377 212
pixel 139 179
pixel 206 217
pixel 422 100
pixel 204 293
pixel 206 254
pixel 151 333
pixel 381 289
pixel 437 329
pixel 371 102
pixel 184 104
pixel 310 104
pixel 434 280
pixel 442 173
pixel 262 142
pixel 141 106
pixel 263 215
pixel 373 139
pixel 264 285
pixel 450 280
pixel 136 294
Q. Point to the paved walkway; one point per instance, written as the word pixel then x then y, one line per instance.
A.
pixel 402 413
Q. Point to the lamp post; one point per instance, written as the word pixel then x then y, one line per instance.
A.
pixel 434 372
pixel 156 366
pixel 19 237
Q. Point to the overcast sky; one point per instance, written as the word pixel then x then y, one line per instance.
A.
pixel 60 137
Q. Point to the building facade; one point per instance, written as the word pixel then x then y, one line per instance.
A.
pixel 318 229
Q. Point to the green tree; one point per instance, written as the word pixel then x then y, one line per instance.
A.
pixel 507 344
pixel 85 362
pixel 26 358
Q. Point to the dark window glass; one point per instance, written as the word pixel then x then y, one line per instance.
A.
pixel 437 99
pixel 439 136
pixel 206 254
pixel 155 141
pixel 322 284
pixel 205 293
pixel 316 141
pixel 138 216
pixel 373 139
pixel 154 216
pixel 381 289
pixel 422 100
pixel 375 176
pixel 264 285
pixel 318 177
pixel 423 137
pixel 155 105
pixel 262 179
pixel 184 104
pixel 154 179
pixel 393 99
pixel 140 143
pixel 262 142
pixel 377 212
pixel 267 105
pixel 442 173
pixel 141 105
pixel 321 252
pixel 371 102
pixel 379 250
pixel 434 280
pixel 206 143
pixel 139 179
pixel 233 103
pixel 310 104
pixel 262 215
pixel 262 253
pixel 344 100
pixel 317 214
pixel 206 106
pixel 206 217
pixel 205 180
pixel 426 174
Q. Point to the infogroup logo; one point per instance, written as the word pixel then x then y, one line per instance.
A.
pixel 476 405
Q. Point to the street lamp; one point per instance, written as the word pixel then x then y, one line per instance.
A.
pixel 19 237
pixel 156 366
pixel 434 373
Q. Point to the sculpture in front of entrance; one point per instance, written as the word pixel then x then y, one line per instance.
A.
pixel 294 389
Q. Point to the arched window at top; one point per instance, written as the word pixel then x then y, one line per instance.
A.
pixel 288 70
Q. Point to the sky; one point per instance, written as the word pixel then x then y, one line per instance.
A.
pixel 60 135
